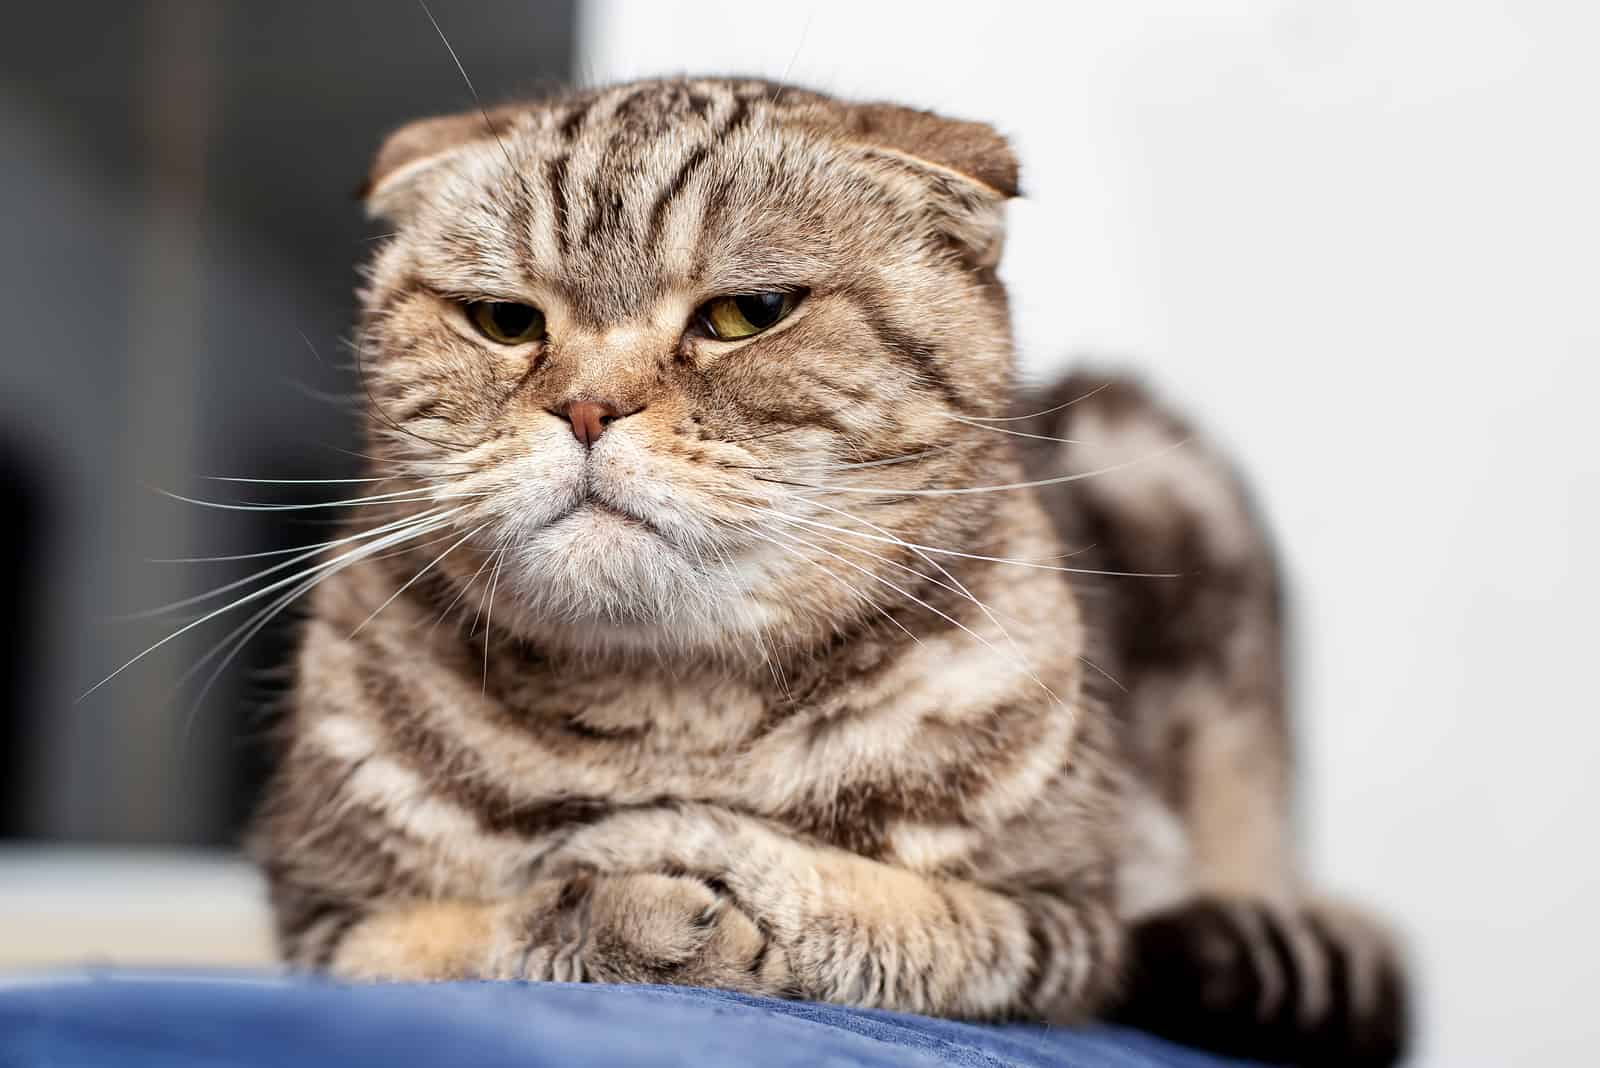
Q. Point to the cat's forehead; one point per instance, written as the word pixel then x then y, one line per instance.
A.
pixel 618 195
pixel 659 138
pixel 643 110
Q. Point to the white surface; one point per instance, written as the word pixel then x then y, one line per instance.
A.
pixel 1360 241
pixel 63 905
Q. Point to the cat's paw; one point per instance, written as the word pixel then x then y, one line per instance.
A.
pixel 1312 983
pixel 647 928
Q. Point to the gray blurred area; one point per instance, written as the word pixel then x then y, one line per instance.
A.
pixel 177 254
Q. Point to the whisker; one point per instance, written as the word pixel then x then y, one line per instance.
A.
pixel 954 586
pixel 346 558
pixel 413 579
pixel 408 463
pixel 407 496
pixel 488 619
pixel 800 42
pixel 1106 674
pixel 311 348
pixel 1015 433
pixel 484 600
pixel 924 604
pixel 304 554
pixel 850 547
pixel 372 400
pixel 974 556
pixel 1047 411
pixel 406 549
pixel 855 591
pixel 488 559
pixel 522 179
pixel 231 558
pixel 907 458
pixel 254 626
pixel 294 481
pixel 341 401
pixel 250 628
pixel 769 644
pixel 958 490
pixel 378 410
pixel 766 434
pixel 769 652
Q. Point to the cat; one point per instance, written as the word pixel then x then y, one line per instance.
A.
pixel 723 613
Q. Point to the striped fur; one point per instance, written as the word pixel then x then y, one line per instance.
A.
pixel 738 693
pixel 1228 948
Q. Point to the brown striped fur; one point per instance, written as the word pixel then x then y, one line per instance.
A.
pixel 737 694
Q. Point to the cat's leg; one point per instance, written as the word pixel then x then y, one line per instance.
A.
pixel 1190 624
pixel 697 896
pixel 1236 955
pixel 343 904
pixel 775 918
pixel 630 928
pixel 861 932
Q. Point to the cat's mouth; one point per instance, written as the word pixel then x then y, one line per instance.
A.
pixel 592 508
pixel 599 507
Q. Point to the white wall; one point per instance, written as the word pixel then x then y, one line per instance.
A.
pixel 1360 241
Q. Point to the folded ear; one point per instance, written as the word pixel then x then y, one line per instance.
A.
pixel 408 154
pixel 970 149
pixel 968 168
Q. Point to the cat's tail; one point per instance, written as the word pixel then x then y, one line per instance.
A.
pixel 1317 984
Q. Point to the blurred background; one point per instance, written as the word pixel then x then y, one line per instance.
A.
pixel 1356 239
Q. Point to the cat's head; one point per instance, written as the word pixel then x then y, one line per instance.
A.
pixel 675 350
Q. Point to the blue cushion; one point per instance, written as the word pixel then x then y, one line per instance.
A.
pixel 177 1021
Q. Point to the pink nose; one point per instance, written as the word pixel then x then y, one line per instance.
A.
pixel 589 419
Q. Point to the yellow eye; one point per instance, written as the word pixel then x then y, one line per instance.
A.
pixel 746 314
pixel 506 323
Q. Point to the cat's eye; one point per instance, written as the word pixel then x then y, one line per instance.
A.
pixel 745 315
pixel 505 322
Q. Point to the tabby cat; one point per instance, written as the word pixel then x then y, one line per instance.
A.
pixel 718 617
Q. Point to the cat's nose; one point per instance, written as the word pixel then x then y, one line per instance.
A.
pixel 590 419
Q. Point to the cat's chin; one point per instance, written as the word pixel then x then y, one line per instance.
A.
pixel 599 576
pixel 596 518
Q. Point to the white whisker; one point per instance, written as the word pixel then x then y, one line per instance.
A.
pixel 866 463
pixel 413 579
pixel 488 619
pixel 971 556
pixel 304 554
pixel 249 628
pixel 488 559
pixel 1047 411
pixel 1015 433
pixel 924 604
pixel 344 559
pixel 851 547
pixel 855 591
pixel 408 496
pixel 954 585
pixel 1106 674
pixel 293 481
pixel 895 491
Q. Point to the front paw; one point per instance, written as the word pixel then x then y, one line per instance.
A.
pixel 646 928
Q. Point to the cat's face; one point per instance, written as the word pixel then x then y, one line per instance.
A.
pixel 624 332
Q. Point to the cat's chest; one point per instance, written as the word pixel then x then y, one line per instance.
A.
pixel 853 764
pixel 645 739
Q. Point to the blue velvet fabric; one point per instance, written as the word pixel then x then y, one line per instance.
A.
pixel 185 1021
